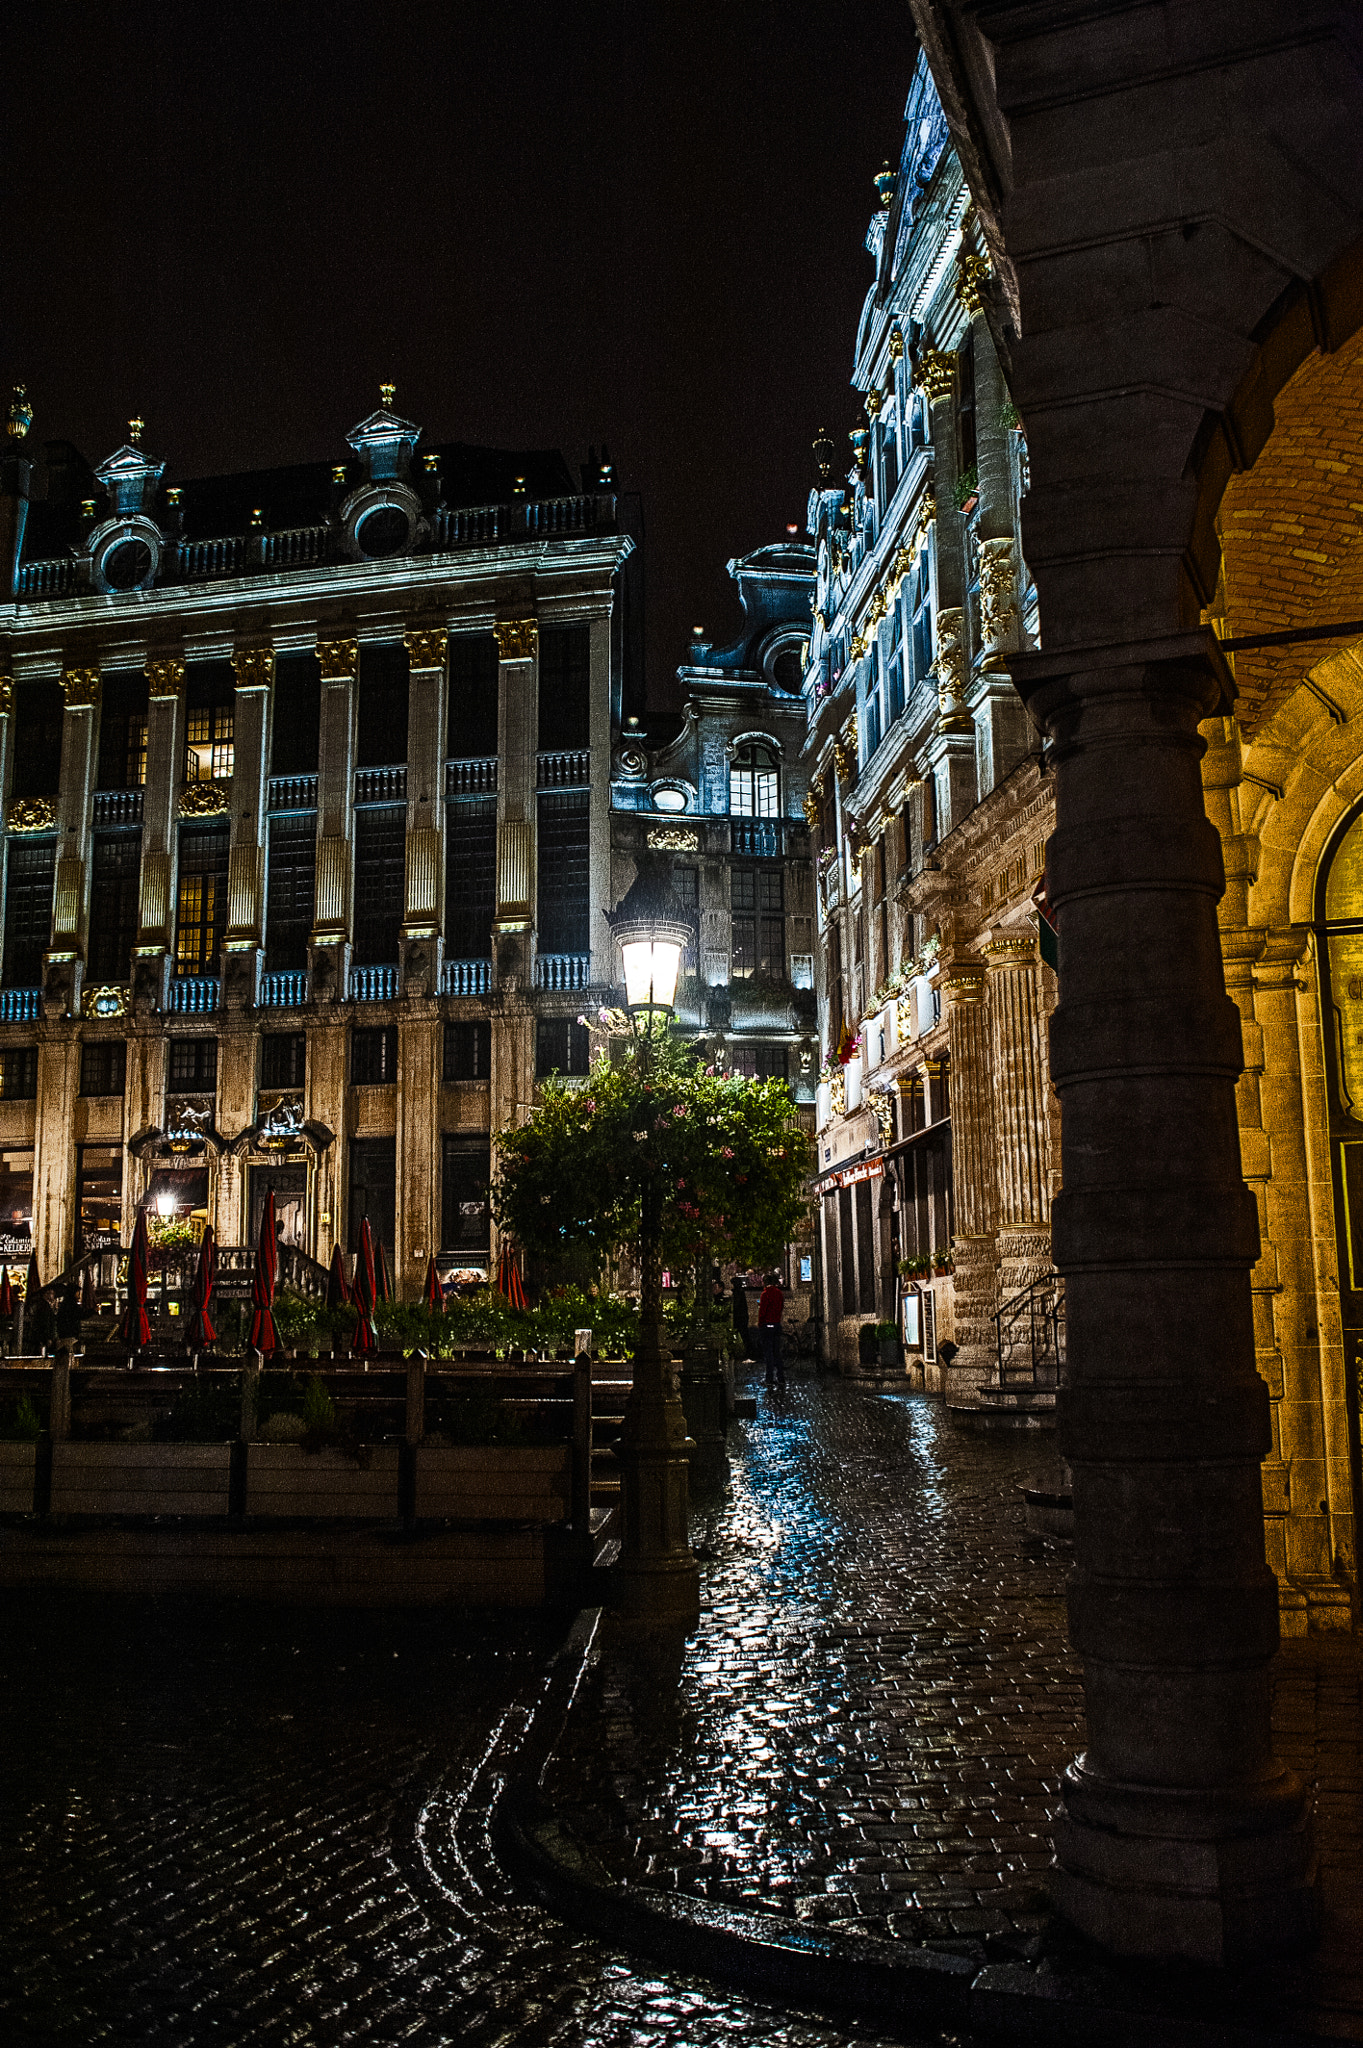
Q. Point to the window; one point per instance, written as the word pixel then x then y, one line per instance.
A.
pixel 373 1055
pixel 123 731
pixel 686 889
pixel 201 904
pixel 283 1059
pixel 871 721
pixel 28 910
pixel 210 710
pixel 470 878
pixel 889 442
pixel 381 738
pixel 99 1197
pixel 103 1066
pixel 18 1073
pixel 16 1202
pixel 373 1190
pixel 37 730
pixel 193 1066
pixel 920 603
pixel 753 785
pixel 965 403
pixel 468 1052
pixel 565 674
pixel 290 890
pixel 380 856
pixel 295 715
pixel 115 871
pixel 562 1046
pixel 762 1062
pixel 563 924
pixel 894 667
pixel 471 721
pixel 759 935
pixel 467 1169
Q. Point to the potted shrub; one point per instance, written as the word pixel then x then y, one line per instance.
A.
pixel 890 1351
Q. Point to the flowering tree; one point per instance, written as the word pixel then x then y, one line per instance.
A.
pixel 713 1163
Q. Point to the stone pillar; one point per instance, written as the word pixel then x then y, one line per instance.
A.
pixel 325 1094
pixel 1017 1058
pixel 603 970
pixel 517 776
pixel 973 1147
pixel 416 1226
pixel 165 772
pixel 54 1155
pixel 144 1098
pixel 1181 1834
pixel 950 752
pixel 329 946
pixel 424 894
pixel 512 1092
pixel 243 945
pixel 80 731
pixel 934 373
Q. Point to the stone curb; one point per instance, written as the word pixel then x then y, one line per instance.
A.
pixel 765 1954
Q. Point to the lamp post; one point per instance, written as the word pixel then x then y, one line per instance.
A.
pixel 657 1580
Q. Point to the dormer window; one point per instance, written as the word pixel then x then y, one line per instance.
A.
pixel 754 784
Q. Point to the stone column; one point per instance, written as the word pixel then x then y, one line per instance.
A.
pixel 603 968
pixel 416 1227
pixel 326 1097
pixel 165 772
pixel 950 753
pixel 1181 1834
pixel 329 945
pixel 245 936
pixel 517 776
pixel 424 896
pixel 80 730
pixel 973 1146
pixel 54 1154
pixel 1017 1058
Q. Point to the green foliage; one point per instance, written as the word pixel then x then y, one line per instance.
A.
pixel 967 483
pixel 724 1158
pixel 319 1410
pixel 21 1423
pixel 887 1333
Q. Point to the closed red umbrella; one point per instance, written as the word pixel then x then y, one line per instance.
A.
pixel 433 1296
pixel 509 1280
pixel 338 1292
pixel 33 1286
pixel 135 1330
pixel 264 1336
pixel 201 1333
pixel 384 1274
pixel 6 1292
pixel 364 1338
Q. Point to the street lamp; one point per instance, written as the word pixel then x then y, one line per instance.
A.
pixel 657 1579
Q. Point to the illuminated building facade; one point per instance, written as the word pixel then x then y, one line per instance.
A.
pixel 306 790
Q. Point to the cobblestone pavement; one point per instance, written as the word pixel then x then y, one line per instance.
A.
pixel 869 1728
pixel 237 1826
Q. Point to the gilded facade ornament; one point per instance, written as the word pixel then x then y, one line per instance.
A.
pixel 20 414
pixel 673 839
pixel 998 602
pixel 873 403
pixel 105 999
pixel 426 649
pixel 80 687
pixel 935 373
pixel 33 814
pixel 837 1093
pixel 878 608
pixel 883 1105
pixel 254 667
pixel 339 660
pixel 517 639
pixel 204 799
pixel 165 678
pixel 972 274
pixel 811 809
pixel 842 761
pixel 963 988
pixel 896 345
pixel 1011 950
pixel 6 694
pixel 949 669
pixel 857 648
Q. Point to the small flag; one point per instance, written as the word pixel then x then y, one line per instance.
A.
pixel 1047 930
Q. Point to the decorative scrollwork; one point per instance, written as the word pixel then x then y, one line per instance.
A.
pixel 33 814
pixel 972 274
pixel 426 648
pixel 80 688
pixel 674 839
pixel 338 659
pixel 204 799
pixel 934 373
pixel 254 667
pixel 107 999
pixel 165 676
pixel 517 639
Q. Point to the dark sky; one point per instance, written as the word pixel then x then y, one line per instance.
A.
pixel 549 224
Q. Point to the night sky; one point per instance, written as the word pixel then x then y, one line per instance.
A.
pixel 549 225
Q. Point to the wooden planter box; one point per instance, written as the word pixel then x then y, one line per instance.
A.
pixel 140 1479
pixel 283 1480
pixel 484 1484
pixel 18 1463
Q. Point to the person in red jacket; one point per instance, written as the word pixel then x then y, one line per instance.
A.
pixel 770 1309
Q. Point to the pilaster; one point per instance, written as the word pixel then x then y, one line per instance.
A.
pixel 424 893
pixel 517 777
pixel 973 1149
pixel 1017 1059
pixel 54 1158
pixel 165 768
pixel 417 1220
pixel 245 935
pixel 599 844
pixel 80 728
pixel 326 1098
pixel 329 946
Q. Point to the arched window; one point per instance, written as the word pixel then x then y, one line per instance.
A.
pixel 754 790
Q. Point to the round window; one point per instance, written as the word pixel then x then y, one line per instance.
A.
pixel 669 799
pixel 786 672
pixel 127 565
pixel 383 532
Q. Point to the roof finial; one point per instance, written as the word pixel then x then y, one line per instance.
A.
pixel 20 414
pixel 387 393
pixel 135 427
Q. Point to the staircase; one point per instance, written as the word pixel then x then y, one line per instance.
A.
pixel 1030 1341
pixel 610 1391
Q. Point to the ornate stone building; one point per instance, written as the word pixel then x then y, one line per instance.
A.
pixel 722 789
pixel 305 781
pixel 931 808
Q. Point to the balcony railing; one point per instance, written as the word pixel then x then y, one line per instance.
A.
pixel 297 547
pixel 20 1005
pixel 373 984
pixel 55 578
pixel 559 515
pixel 756 838
pixel 381 785
pixel 198 559
pixel 463 525
pixel 566 771
pixel 466 978
pixel 563 970
pixel 472 778
pixel 293 793
pixel 117 807
pixel 285 990
pixel 194 995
